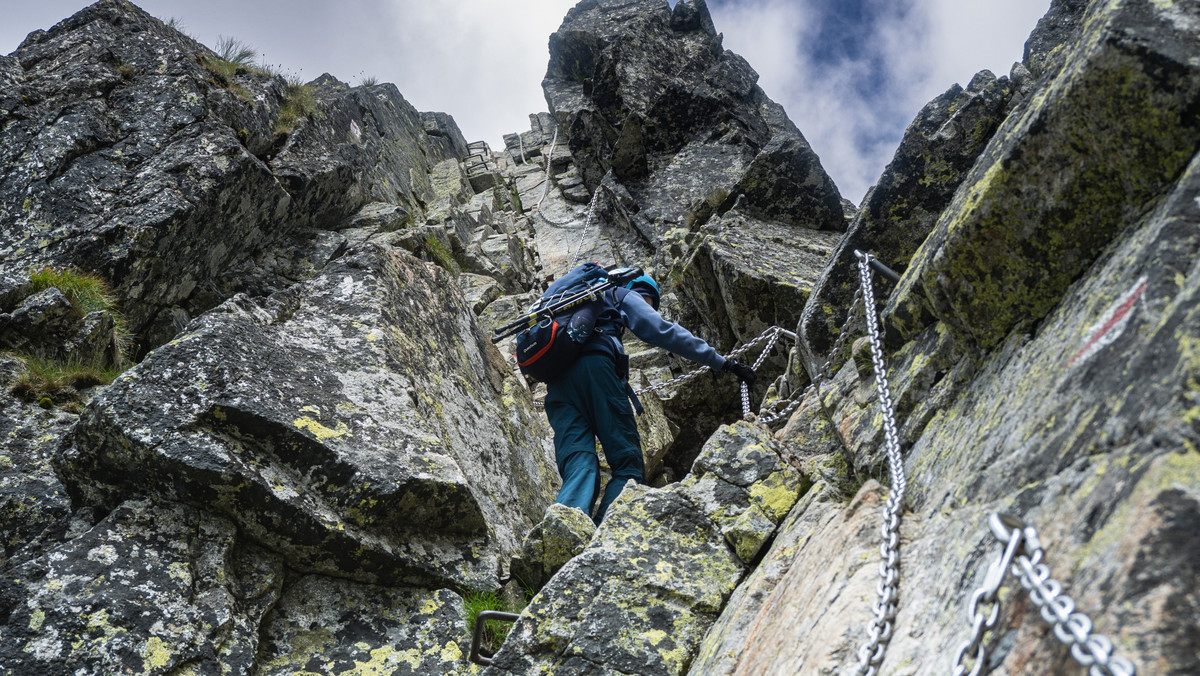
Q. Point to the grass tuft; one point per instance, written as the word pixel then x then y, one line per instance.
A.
pixel 234 57
pixel 86 291
pixel 368 81
pixel 298 104
pixel 494 632
pixel 437 250
pixel 52 383
pixel 234 51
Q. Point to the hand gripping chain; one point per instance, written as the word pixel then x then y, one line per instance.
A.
pixel 879 631
pixel 771 335
pixel 1023 555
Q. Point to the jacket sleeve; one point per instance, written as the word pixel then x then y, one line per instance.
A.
pixel 647 324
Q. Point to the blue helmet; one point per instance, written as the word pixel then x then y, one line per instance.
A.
pixel 646 283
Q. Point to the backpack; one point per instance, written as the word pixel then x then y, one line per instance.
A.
pixel 546 350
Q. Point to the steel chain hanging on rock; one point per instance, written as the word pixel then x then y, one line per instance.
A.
pixel 823 373
pixel 879 631
pixel 1023 555
pixel 546 184
pixel 587 224
pixel 771 335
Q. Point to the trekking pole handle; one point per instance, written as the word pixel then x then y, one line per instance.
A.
pixel 623 276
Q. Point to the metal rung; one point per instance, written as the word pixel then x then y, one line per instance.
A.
pixel 477 636
pixel 878 266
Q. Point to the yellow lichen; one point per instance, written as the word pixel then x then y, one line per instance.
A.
pixel 180 572
pixel 320 431
pixel 775 495
pixel 654 636
pixel 157 654
pixel 430 606
pixel 451 652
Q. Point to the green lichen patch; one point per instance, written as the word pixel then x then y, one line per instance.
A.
pixel 1091 150
pixel 149 588
pixel 325 625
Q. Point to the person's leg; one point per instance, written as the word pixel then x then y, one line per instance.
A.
pixel 575 455
pixel 617 429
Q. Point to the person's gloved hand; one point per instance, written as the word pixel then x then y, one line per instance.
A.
pixel 744 373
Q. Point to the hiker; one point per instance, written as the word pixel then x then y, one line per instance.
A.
pixel 591 398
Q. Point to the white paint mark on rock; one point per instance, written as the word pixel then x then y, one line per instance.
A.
pixel 1111 324
pixel 354 129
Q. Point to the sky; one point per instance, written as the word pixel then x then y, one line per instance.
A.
pixel 850 73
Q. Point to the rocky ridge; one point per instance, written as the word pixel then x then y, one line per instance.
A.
pixel 319 455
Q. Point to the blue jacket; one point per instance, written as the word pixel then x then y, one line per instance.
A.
pixel 627 309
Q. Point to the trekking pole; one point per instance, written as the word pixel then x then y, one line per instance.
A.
pixel 616 277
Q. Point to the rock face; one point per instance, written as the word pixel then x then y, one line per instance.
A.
pixel 338 417
pixel 311 425
pixel 938 149
pixel 98 601
pixel 320 453
pixel 1027 252
pixel 652 96
pixel 130 154
pixel 31 497
pixel 557 539
pixel 642 594
pixel 1041 357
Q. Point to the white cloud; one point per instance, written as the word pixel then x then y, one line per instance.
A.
pixel 480 60
pixel 853 122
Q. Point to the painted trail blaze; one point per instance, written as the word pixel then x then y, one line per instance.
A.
pixel 1111 324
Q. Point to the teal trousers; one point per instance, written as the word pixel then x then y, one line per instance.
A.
pixel 586 403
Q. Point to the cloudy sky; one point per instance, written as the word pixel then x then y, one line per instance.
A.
pixel 851 73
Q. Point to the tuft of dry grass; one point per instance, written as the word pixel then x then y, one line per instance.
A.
pixel 297 105
pixel 52 383
pixel 87 292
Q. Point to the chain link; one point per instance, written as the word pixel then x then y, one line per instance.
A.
pixel 771 334
pixel 587 224
pixel 546 185
pixel 537 208
pixel 822 374
pixel 1094 651
pixel 879 631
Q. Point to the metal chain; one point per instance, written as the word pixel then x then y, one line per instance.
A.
pixel 1021 541
pixel 771 333
pixel 522 142
pixel 587 224
pixel 838 345
pixel 879 631
pixel 823 373
pixel 745 389
pixel 546 185
pixel 537 209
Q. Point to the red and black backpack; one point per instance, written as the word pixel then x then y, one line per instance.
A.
pixel 546 350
